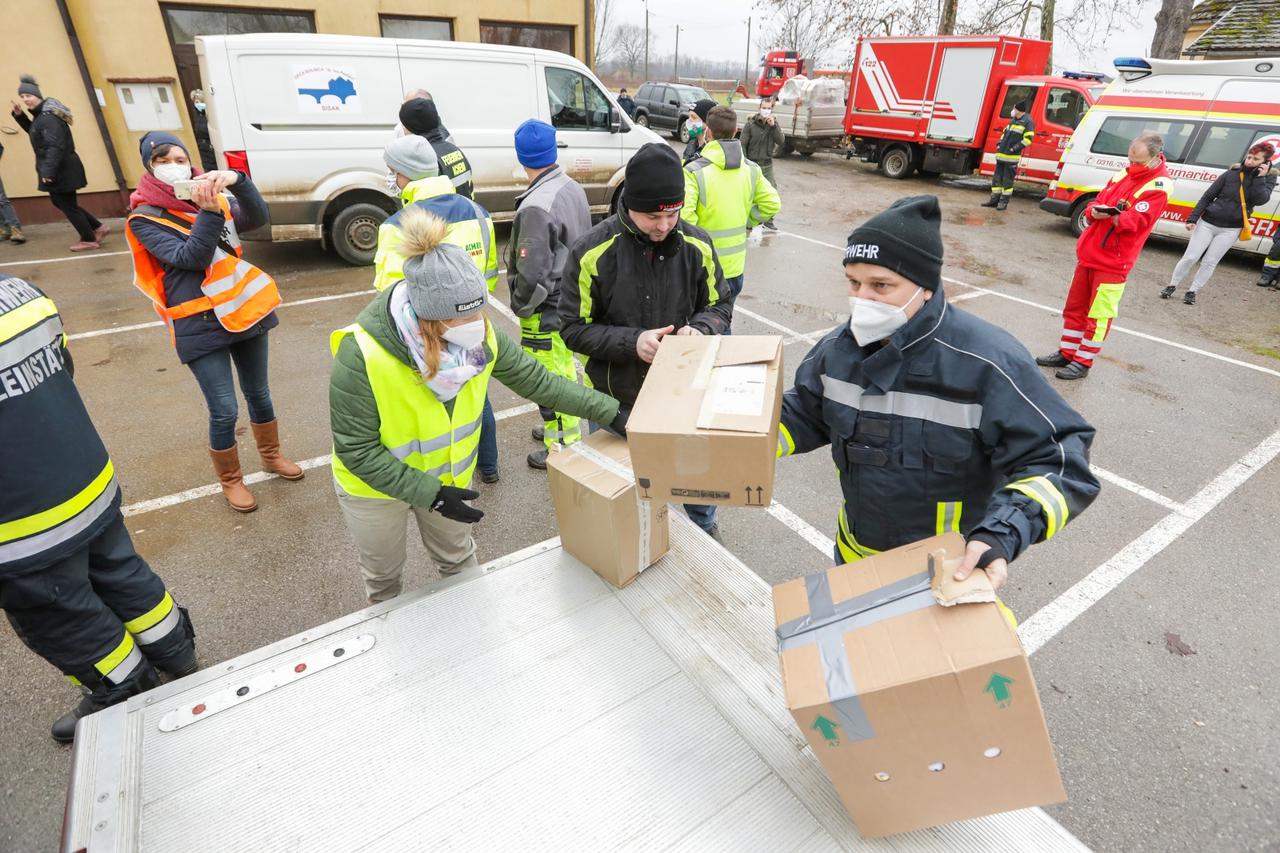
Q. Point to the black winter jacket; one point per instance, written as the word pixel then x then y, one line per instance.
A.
pixel 200 125
pixel 58 167
pixel 454 164
pixel 1220 204
pixel 947 425
pixel 618 283
pixel 185 260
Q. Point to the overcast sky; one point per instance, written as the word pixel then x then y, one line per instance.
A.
pixel 717 29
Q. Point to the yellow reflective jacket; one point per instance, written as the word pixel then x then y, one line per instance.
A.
pixel 470 228
pixel 725 194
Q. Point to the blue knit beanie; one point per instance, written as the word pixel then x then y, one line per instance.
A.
pixel 155 139
pixel 535 144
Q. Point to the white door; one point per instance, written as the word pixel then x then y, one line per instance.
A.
pixel 581 113
pixel 962 83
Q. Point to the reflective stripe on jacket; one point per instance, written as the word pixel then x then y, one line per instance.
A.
pixel 948 425
pixel 414 426
pixel 238 293
pixel 1017 135
pixel 726 194
pixel 58 485
pixel 469 227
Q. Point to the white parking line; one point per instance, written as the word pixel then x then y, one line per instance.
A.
pixel 1138 489
pixel 198 492
pixel 60 260
pixel 812 338
pixel 807 531
pixel 1045 624
pixel 1121 329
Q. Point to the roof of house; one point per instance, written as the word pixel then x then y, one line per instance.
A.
pixel 1208 11
pixel 1248 26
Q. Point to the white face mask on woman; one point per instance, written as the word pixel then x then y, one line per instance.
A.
pixel 872 321
pixel 171 173
pixel 468 335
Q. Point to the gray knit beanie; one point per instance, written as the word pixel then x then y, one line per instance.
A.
pixel 442 280
pixel 27 86
pixel 412 156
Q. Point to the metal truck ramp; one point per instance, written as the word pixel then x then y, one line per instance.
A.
pixel 532 707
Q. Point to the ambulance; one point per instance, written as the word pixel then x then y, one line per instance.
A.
pixel 1209 113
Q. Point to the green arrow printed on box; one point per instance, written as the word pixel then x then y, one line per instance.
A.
pixel 998 687
pixel 828 728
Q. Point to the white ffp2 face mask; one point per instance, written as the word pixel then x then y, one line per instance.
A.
pixel 468 335
pixel 171 173
pixel 872 321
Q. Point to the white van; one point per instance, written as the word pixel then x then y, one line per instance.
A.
pixel 307 117
pixel 1209 113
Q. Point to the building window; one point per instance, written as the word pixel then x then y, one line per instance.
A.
pixel 405 27
pixel 544 36
pixel 187 22
pixel 576 103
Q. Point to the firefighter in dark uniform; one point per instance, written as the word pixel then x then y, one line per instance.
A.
pixel 1017 135
pixel 937 421
pixel 71 583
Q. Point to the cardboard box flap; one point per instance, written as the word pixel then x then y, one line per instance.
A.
pixel 747 349
pixel 737 397
pixel 596 465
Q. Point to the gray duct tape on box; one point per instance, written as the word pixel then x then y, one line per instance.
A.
pixel 826 625
pixel 642 505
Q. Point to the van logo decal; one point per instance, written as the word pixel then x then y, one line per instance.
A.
pixel 325 89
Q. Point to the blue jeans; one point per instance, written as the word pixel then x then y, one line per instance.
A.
pixel 213 373
pixel 732 286
pixel 487 460
pixel 703 516
pixel 8 216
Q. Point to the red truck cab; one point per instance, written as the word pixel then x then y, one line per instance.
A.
pixel 1057 105
pixel 776 68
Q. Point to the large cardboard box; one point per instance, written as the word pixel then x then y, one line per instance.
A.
pixel 921 714
pixel 704 429
pixel 602 520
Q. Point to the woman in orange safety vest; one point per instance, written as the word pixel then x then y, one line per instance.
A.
pixel 218 306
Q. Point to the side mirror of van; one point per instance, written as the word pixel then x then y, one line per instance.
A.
pixel 674 103
pixel 616 124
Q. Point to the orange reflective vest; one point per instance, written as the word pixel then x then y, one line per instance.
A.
pixel 237 292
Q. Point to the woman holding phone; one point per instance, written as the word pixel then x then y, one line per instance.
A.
pixel 1218 220
pixel 183 233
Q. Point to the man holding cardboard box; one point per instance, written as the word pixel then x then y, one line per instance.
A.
pixel 639 275
pixel 938 421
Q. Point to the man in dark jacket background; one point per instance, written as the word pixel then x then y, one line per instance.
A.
pixel 638 276
pixel 421 116
pixel 59 171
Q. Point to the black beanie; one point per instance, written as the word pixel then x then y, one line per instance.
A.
pixel 419 116
pixel 906 238
pixel 1021 106
pixel 654 180
pixel 702 107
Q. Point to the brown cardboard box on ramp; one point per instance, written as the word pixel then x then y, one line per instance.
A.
pixel 704 429
pixel 602 522
pixel 921 714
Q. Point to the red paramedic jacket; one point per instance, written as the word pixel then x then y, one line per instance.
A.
pixel 1112 245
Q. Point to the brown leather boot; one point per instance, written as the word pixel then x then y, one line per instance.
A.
pixel 268 437
pixel 227 465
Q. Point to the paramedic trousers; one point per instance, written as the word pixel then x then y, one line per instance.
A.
pixel 1208 244
pixel 379 528
pixel 101 616
pixel 1092 304
pixel 1002 179
pixel 549 350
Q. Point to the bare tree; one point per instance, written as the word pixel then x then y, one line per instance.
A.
pixel 1171 28
pixel 811 29
pixel 947 24
pixel 628 46
pixel 601 32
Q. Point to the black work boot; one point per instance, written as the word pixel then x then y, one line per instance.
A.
pixel 175 654
pixel 1074 370
pixel 103 696
pixel 1167 292
pixel 1190 298
pixel 993 201
pixel 538 433
pixel 538 459
pixel 1053 359
pixel 1003 203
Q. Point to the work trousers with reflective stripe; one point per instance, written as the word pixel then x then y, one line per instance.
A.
pixel 379 528
pixel 1002 179
pixel 549 349
pixel 100 615
pixel 1091 307
pixel 1271 266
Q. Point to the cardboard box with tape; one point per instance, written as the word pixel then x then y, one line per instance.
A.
pixel 704 429
pixel 913 691
pixel 602 520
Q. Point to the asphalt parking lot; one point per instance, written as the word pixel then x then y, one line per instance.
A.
pixel 1151 618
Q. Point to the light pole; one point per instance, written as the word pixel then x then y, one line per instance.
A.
pixel 676 67
pixel 746 64
pixel 646 39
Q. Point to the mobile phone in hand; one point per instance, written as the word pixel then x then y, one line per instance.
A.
pixel 182 189
pixel 1101 208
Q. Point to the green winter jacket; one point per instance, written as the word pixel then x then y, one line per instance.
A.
pixel 759 140
pixel 353 412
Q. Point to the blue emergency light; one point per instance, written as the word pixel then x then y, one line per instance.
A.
pixel 1133 67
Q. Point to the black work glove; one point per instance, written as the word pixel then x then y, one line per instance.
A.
pixel 450 502
pixel 618 425
pixel 995 552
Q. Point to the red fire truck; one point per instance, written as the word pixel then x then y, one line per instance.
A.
pixel 939 104
pixel 776 68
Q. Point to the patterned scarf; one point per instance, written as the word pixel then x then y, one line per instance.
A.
pixel 458 366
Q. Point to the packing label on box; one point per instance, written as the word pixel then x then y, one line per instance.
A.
pixel 737 389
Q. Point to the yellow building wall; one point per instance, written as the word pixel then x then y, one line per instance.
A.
pixel 35 43
pixel 128 39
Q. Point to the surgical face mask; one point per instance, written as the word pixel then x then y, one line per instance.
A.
pixel 392 186
pixel 171 173
pixel 765 112
pixel 199 108
pixel 872 321
pixel 468 335
pixel 695 127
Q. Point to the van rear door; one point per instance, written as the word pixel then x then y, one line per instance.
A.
pixel 220 97
pixel 482 98
pixel 590 152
